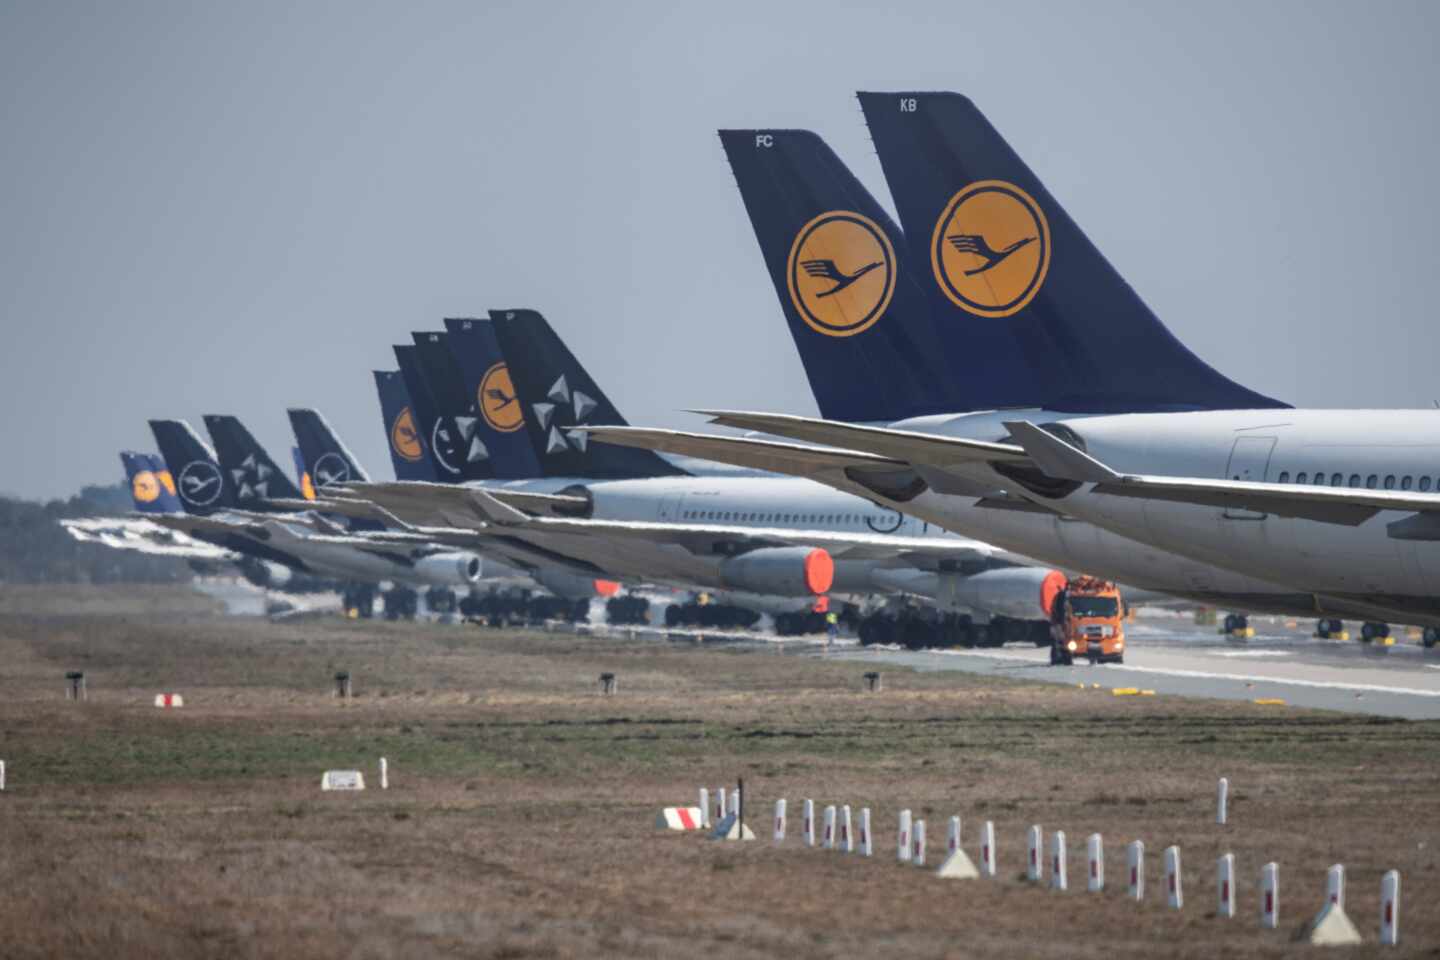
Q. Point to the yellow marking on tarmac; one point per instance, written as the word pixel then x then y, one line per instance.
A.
pixel 1270 702
pixel 1147 693
pixel 1125 691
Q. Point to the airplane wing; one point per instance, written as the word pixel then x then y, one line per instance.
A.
pixel 795 459
pixel 1347 506
pixel 910 446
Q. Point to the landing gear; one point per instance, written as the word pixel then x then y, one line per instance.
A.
pixel 1060 655
pixel 441 600
pixel 358 600
pixel 1374 632
pixel 725 616
pixel 1430 637
pixel 1237 625
pixel 1329 629
pixel 627 610
pixel 401 603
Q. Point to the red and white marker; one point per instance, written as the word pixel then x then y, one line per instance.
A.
pixel 1335 885
pixel 679 818
pixel 720 806
pixel 827 839
pixel 1174 889
pixel 1225 885
pixel 953 841
pixel 1095 860
pixel 807 828
pixel 169 700
pixel 987 849
pixel 1058 880
pixel 1390 908
pixel 1034 850
pixel 902 844
pixel 866 846
pixel 704 807
pixel 780 821
pixel 845 839
pixel 1270 896
pixel 1135 861
pixel 917 846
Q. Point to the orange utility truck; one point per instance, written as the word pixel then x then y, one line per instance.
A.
pixel 1087 620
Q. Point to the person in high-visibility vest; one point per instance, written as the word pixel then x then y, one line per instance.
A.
pixel 832 626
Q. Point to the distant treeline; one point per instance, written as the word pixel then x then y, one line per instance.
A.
pixel 34 548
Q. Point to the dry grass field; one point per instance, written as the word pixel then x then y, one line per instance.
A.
pixel 520 819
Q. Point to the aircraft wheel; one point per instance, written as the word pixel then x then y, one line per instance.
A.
pixel 1429 637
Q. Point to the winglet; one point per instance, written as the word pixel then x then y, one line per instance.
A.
pixel 1058 458
pixel 497 512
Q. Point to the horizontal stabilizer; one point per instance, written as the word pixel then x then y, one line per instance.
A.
pixel 910 446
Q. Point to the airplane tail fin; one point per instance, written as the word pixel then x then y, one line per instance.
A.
pixel 302 476
pixel 859 318
pixel 402 433
pixel 151 485
pixel 324 458
pixel 1019 294
pixel 488 387
pixel 199 481
pixel 556 394
pixel 456 441
pixel 255 476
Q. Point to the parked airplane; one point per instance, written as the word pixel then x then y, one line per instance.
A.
pixel 886 343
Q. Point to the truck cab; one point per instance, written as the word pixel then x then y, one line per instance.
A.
pixel 1088 620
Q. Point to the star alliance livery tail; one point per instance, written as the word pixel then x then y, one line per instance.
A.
pixel 555 394
pixel 199 481
pixel 458 441
pixel 1029 313
pixel 323 456
pixel 488 388
pixel 151 485
pixel 402 436
pixel 859 318
pixel 255 476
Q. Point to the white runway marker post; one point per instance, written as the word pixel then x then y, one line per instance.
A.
pixel 2 776
pixel 734 802
pixel 902 844
pixel 846 836
pixel 1095 861
pixel 952 842
pixel 1270 896
pixel 384 774
pixel 917 851
pixel 1225 885
pixel 1135 861
pixel 720 807
pixel 1390 908
pixel 987 849
pixel 1034 850
pixel 1335 885
pixel 827 838
pixel 780 821
pixel 1174 889
pixel 807 828
pixel 1222 801
pixel 866 846
pixel 704 808
pixel 1058 879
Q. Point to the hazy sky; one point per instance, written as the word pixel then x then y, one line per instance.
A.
pixel 236 207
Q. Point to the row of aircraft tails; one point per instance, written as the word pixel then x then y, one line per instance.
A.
pixel 1000 412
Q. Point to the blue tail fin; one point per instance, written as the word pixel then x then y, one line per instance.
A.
pixel 859 318
pixel 199 481
pixel 402 435
pixel 556 393
pixel 256 477
pixel 489 389
pixel 324 458
pixel 302 476
pixel 1026 305
pixel 151 486
pixel 458 441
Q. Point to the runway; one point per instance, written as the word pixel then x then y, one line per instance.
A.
pixel 1174 657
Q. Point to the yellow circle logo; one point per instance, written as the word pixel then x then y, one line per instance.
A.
pixel 496 397
pixel 991 249
pixel 404 438
pixel 841 273
pixel 307 487
pixel 167 481
pixel 145 487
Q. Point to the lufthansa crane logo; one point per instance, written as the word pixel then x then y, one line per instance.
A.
pixel 991 249
pixel 841 273
pixel 145 487
pixel 200 483
pixel 330 470
pixel 496 397
pixel 404 439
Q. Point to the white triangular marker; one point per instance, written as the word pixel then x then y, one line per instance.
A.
pixel 560 391
pixel 958 866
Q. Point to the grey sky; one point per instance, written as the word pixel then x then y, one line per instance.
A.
pixel 235 207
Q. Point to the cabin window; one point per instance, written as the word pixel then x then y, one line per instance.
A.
pixel 1284 476
pixel 1302 477
pixel 1354 479
pixel 1319 479
pixel 1336 480
pixel 1405 482
pixel 1424 483
pixel 1371 481
pixel 1390 481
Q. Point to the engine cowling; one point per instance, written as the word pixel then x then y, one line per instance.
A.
pixel 1023 593
pixel 574 586
pixel 264 573
pixel 782 571
pixel 454 569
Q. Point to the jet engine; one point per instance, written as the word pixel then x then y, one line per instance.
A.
pixel 574 586
pixel 783 571
pixel 448 569
pixel 263 573
pixel 1022 593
